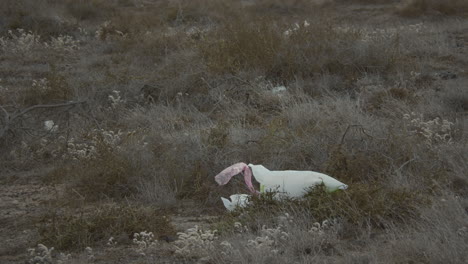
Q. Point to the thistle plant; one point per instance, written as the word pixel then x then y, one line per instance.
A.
pixel 433 131
pixel 77 151
pixel 111 242
pixel 89 253
pixel 143 241
pixel 40 255
pixel 115 99
pixel 239 228
pixel 63 44
pixel 296 27
pixel 195 242
pixel 19 41
pixel 270 239
pixel 63 258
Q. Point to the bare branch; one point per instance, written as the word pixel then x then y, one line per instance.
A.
pixel 9 119
pixel 361 129
pixel 346 132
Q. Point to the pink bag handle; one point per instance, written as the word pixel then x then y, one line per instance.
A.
pixel 225 176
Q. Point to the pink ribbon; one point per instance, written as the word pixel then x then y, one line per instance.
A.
pixel 225 176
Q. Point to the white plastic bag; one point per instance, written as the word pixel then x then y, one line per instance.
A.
pixel 293 183
pixel 290 183
pixel 237 200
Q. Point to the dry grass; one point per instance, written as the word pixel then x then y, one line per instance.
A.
pixel 308 51
pixel 85 228
pixel 176 91
pixel 420 7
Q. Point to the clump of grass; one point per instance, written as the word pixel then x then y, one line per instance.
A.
pixel 282 54
pixel 364 204
pixel 422 7
pixel 356 166
pixel 77 230
pixel 238 46
pixel 99 169
pixel 109 175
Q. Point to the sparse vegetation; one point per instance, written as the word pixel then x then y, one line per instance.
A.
pixel 422 7
pixel 83 228
pixel 115 116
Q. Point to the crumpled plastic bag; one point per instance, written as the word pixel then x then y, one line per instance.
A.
pixel 225 176
pixel 290 183
pixel 237 200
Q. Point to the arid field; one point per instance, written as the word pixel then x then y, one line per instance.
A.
pixel 116 115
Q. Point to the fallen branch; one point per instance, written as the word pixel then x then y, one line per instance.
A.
pixel 10 118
